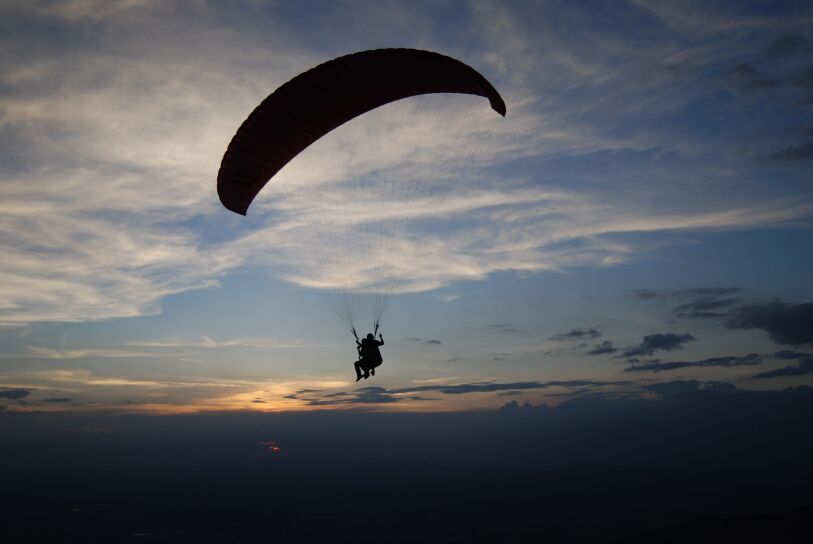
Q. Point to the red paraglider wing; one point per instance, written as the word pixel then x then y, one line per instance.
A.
pixel 327 96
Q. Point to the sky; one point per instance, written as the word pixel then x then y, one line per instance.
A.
pixel 637 226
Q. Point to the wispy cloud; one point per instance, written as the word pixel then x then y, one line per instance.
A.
pixel 381 395
pixel 577 334
pixel 52 353
pixel 206 342
pixel 727 361
pixel 107 197
pixel 803 368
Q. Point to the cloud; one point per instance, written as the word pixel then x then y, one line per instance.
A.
pixel 110 152
pixel 577 334
pixel 209 343
pixel 92 10
pixel 746 78
pixel 13 394
pixel 790 354
pixel 363 395
pixel 158 393
pixel 513 407
pixel 464 389
pixel 698 302
pixel 727 361
pixel 383 395
pixel 786 45
pixel 656 342
pixel 785 323
pixel 425 342
pixel 51 353
pixel 801 152
pixel 704 308
pixel 804 367
pixel 603 348
pixel 57 400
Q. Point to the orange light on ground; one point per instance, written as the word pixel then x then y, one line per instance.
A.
pixel 270 446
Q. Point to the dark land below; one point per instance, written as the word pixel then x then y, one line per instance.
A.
pixel 405 503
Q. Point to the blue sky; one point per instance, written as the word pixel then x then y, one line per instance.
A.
pixel 647 198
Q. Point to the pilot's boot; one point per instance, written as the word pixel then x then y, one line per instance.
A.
pixel 358 371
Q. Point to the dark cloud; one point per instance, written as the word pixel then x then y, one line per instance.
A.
pixel 784 46
pixel 13 394
pixel 379 395
pixel 426 342
pixel 804 367
pixel 789 354
pixel 514 407
pixel 603 348
pixel 659 342
pixel 801 152
pixel 577 334
pixel 488 387
pixel 802 78
pixel 509 393
pixel 365 395
pixel 704 307
pixel 698 302
pixel 785 323
pixel 499 358
pixel 57 400
pixel 657 366
pixel 744 77
pixel 647 294
pixel 258 401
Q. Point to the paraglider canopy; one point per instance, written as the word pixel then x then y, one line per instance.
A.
pixel 327 96
pixel 347 241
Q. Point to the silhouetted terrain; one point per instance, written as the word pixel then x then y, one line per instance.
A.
pixel 401 503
